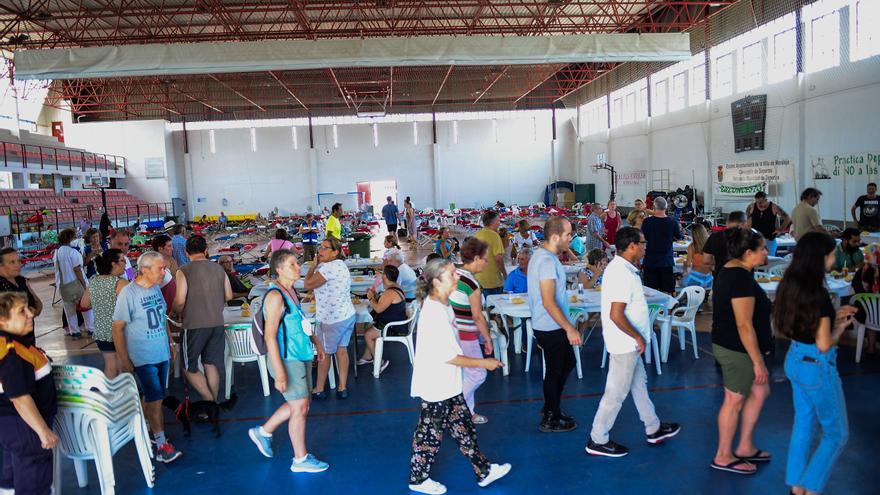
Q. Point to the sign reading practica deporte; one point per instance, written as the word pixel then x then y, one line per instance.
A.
pixel 769 171
pixel 846 165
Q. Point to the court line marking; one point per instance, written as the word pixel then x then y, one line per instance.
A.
pixel 588 395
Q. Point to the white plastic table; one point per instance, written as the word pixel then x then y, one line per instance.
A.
pixel 502 304
pixel 784 241
pixel 837 286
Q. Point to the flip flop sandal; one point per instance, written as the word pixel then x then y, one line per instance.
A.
pixel 731 468
pixel 758 456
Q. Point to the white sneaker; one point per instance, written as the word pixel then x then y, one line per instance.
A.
pixel 479 419
pixel 9 491
pixel 496 472
pixel 429 486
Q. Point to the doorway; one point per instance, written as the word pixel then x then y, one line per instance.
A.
pixel 375 192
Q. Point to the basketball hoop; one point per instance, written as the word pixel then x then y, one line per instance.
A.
pixel 96 181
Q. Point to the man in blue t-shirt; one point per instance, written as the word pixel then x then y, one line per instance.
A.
pixel 142 341
pixel 390 213
pixel 660 232
pixel 518 280
pixel 548 303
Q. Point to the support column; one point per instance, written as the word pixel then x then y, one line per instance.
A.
pixel 190 186
pixel 313 169
pixel 577 140
pixel 435 167
pixel 313 177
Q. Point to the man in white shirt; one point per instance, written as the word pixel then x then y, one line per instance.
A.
pixel 407 279
pixel 626 328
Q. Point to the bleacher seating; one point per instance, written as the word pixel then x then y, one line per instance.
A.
pixel 74 205
pixel 115 197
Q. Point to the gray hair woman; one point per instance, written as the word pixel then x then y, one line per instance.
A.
pixel 289 342
pixel 437 380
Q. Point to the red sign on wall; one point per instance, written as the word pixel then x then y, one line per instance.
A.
pixel 58 131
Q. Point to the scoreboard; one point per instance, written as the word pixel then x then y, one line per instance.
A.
pixel 749 117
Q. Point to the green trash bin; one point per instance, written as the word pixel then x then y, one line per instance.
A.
pixel 359 244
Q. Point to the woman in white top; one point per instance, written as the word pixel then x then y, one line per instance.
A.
pixel 71 282
pixel 330 279
pixel 437 381
pixel 523 238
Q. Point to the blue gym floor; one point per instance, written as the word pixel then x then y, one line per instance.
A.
pixel 366 439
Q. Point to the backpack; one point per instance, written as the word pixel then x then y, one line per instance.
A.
pixel 258 337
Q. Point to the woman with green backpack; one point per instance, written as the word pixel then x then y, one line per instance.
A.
pixel 290 345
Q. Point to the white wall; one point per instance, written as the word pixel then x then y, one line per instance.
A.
pixel 248 181
pixel 475 170
pixel 136 141
pixel 823 113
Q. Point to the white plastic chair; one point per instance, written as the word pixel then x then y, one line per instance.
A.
pixel 683 318
pixel 238 350
pixel 575 348
pixel 92 425
pixel 656 313
pixel 406 340
pixel 871 304
pixel 499 344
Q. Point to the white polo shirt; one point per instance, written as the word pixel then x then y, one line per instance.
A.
pixel 621 283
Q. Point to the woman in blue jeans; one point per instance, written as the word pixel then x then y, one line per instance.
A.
pixel 804 313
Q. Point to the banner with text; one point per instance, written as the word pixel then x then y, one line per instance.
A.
pixel 769 171
pixel 634 178
pixel 739 190
pixel 846 165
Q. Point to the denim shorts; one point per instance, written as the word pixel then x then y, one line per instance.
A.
pixel 153 378
pixel 332 336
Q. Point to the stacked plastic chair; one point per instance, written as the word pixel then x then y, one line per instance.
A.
pixel 97 417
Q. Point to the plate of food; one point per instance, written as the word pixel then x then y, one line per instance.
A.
pixel 776 278
pixel 573 299
pixel 762 280
pixel 357 279
pixel 848 278
pixel 517 300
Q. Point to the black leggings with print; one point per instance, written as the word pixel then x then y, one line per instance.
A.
pixel 452 415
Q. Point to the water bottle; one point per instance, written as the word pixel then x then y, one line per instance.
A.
pixel 509 296
pixel 581 292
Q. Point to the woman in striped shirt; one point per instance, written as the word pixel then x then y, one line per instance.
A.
pixel 467 304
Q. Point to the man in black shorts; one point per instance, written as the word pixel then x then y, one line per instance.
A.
pixel 660 232
pixel 202 292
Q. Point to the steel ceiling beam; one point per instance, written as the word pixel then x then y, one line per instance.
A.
pixel 339 87
pixel 211 20
pixel 491 84
pixel 239 93
pixel 121 22
pixel 286 88
pixel 445 78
